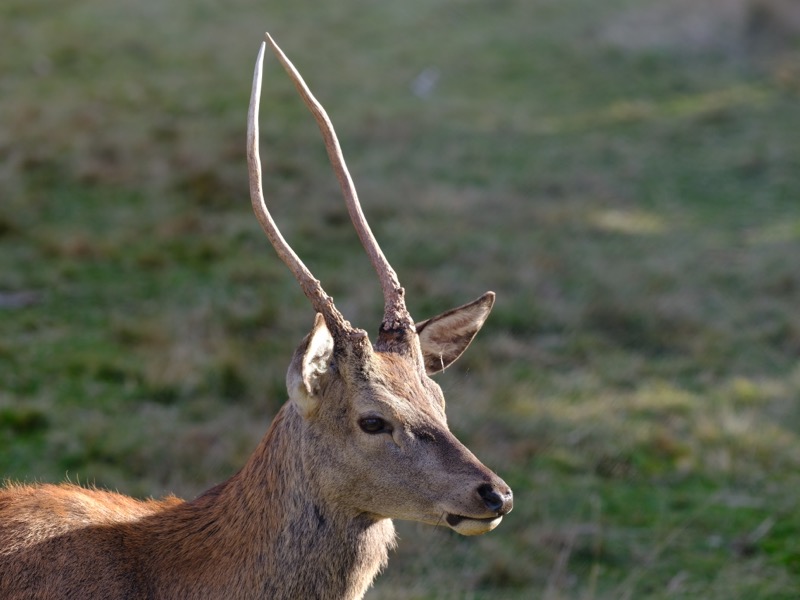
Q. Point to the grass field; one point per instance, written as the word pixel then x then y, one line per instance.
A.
pixel 624 174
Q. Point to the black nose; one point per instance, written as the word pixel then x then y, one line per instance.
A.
pixel 497 499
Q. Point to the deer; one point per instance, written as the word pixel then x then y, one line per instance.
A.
pixel 361 440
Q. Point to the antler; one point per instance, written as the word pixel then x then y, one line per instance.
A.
pixel 311 287
pixel 396 318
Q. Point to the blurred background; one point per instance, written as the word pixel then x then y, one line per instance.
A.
pixel 624 174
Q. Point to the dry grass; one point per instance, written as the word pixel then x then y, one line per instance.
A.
pixel 735 27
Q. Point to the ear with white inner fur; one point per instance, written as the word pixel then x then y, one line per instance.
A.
pixel 445 337
pixel 309 364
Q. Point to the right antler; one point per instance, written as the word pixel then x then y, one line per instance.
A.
pixel 311 286
pixel 397 319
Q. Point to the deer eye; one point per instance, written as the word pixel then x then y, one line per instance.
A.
pixel 374 425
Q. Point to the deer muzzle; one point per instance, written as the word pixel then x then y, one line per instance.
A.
pixel 497 499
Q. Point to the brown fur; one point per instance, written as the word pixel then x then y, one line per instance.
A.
pixel 261 534
pixel 309 515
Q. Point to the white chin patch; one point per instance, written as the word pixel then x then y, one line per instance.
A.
pixel 466 526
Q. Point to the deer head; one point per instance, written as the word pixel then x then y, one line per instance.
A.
pixel 375 430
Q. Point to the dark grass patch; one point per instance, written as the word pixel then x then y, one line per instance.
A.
pixel 23 421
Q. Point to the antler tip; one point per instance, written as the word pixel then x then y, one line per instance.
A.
pixel 275 48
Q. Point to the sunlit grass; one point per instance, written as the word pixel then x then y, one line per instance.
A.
pixel 630 222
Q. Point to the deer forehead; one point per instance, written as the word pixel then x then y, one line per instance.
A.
pixel 400 389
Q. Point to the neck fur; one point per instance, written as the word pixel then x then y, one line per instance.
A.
pixel 265 534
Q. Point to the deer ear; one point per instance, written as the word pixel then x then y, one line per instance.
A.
pixel 444 338
pixel 309 364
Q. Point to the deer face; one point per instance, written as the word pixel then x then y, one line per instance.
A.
pixel 377 431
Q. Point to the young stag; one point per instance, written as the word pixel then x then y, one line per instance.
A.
pixel 362 440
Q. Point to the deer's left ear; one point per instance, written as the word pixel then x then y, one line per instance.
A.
pixel 309 365
pixel 445 337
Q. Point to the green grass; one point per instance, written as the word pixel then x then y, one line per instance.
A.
pixel 634 205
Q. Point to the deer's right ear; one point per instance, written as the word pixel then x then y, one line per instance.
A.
pixel 309 364
pixel 445 337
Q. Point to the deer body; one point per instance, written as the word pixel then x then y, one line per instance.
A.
pixel 362 440
pixel 261 534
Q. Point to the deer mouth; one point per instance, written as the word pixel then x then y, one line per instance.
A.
pixel 470 525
